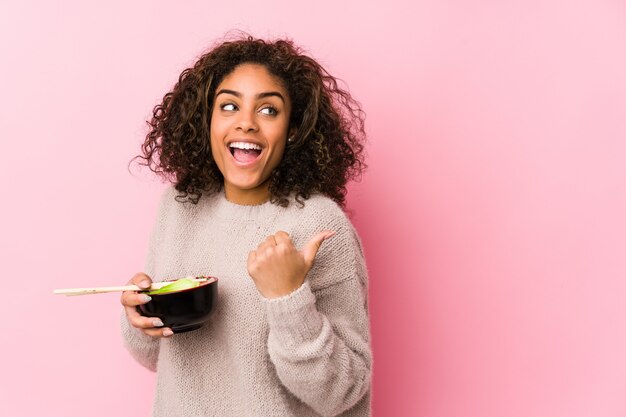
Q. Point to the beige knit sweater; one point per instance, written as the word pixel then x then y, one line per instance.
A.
pixel 305 354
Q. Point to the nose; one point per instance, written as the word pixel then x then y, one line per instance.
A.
pixel 247 121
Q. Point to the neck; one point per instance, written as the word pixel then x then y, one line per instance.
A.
pixel 253 197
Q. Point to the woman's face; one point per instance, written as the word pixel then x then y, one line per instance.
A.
pixel 249 128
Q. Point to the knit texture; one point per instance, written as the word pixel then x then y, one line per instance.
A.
pixel 305 354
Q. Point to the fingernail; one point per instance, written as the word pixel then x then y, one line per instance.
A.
pixel 157 323
pixel 167 332
pixel 329 235
pixel 144 284
pixel 145 298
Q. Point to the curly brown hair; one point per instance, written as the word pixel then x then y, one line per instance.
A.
pixel 326 152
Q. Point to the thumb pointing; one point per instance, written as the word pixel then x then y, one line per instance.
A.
pixel 312 246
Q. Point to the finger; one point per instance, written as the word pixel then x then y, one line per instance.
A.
pixel 141 280
pixel 165 332
pixel 282 237
pixel 129 298
pixel 133 299
pixel 251 261
pixel 268 243
pixel 312 246
pixel 142 322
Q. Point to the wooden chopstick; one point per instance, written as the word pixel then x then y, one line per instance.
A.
pixel 101 290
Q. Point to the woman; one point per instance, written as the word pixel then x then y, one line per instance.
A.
pixel 259 142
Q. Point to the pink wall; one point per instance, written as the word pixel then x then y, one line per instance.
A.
pixel 493 212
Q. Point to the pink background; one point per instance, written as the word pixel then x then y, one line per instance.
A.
pixel 493 214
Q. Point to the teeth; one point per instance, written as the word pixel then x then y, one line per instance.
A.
pixel 245 145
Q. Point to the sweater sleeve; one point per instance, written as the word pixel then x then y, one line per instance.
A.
pixel 319 339
pixel 144 348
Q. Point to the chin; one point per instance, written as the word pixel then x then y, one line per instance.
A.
pixel 246 184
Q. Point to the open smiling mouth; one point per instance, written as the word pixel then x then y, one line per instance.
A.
pixel 245 152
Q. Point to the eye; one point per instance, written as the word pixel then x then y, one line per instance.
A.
pixel 269 110
pixel 228 107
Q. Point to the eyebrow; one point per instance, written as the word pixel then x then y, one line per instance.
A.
pixel 258 96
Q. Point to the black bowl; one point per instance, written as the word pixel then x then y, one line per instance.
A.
pixel 184 310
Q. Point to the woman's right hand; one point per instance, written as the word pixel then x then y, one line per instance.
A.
pixel 152 326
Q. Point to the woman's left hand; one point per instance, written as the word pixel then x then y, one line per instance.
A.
pixel 278 268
